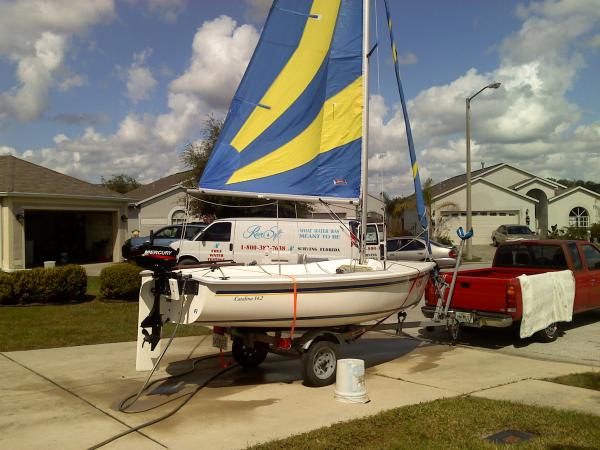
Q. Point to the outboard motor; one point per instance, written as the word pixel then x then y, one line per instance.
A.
pixel 160 260
pixel 157 258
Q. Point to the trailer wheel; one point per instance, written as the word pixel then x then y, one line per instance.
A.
pixel 247 356
pixel 319 363
pixel 548 334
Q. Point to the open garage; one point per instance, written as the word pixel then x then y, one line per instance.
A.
pixel 69 236
pixel 49 216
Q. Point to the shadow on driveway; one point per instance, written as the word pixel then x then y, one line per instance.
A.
pixel 188 375
pixel 497 338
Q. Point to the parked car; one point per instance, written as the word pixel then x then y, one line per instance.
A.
pixel 414 249
pixel 492 297
pixel 505 233
pixel 162 237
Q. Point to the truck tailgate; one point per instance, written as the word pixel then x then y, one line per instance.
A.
pixel 480 289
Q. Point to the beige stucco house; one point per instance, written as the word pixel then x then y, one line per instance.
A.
pixel 48 216
pixel 162 203
pixel 506 194
pixel 158 204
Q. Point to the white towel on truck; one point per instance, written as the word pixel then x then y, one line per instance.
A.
pixel 547 298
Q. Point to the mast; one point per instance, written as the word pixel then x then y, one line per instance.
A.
pixel 365 133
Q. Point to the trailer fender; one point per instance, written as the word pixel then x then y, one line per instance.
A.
pixel 308 338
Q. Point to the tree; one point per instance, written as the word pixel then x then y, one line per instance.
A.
pixel 396 207
pixel 120 183
pixel 592 186
pixel 195 156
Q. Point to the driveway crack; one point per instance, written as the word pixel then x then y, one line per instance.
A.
pixel 74 394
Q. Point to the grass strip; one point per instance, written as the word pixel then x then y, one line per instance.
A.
pixel 90 322
pixel 456 423
pixel 587 380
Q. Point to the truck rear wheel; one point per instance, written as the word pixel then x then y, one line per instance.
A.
pixel 548 334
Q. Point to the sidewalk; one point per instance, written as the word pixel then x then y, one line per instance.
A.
pixel 68 397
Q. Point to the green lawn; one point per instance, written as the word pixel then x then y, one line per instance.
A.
pixel 457 423
pixel 93 321
pixel 588 380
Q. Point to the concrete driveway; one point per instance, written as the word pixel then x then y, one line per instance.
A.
pixel 68 398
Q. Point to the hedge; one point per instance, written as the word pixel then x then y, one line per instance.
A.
pixel 56 285
pixel 121 281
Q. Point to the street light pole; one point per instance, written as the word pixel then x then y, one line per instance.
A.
pixel 494 85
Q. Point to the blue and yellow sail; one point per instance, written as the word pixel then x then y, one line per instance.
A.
pixel 294 126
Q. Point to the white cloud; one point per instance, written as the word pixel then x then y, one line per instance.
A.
pixel 140 81
pixel 221 51
pixel 257 10
pixel 35 36
pixel 60 138
pixel 168 10
pixel 407 59
pixel 71 82
pixel 529 121
pixel 6 150
pixel 146 146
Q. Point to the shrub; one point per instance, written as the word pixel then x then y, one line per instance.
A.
pixel 575 233
pixel 55 285
pixel 595 230
pixel 6 291
pixel 121 281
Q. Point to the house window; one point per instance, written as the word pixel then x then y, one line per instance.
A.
pixel 178 217
pixel 579 217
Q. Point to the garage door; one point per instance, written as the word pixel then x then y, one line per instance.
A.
pixel 68 237
pixel 484 222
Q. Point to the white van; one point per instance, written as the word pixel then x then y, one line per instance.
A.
pixel 265 240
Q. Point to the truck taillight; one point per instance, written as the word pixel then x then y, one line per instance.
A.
pixel 452 253
pixel 511 298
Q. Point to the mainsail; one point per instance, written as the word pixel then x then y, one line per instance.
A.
pixel 295 124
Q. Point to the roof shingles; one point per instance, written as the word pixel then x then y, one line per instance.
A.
pixel 20 176
pixel 158 186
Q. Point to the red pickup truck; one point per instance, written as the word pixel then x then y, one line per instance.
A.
pixel 492 297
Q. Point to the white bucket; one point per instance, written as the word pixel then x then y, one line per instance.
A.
pixel 49 264
pixel 350 381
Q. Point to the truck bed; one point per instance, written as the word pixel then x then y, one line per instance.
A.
pixel 485 289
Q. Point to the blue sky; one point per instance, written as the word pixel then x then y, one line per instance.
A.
pixel 100 87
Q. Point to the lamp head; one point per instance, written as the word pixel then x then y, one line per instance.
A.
pixel 494 85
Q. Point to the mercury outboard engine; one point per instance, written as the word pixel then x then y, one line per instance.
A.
pixel 161 261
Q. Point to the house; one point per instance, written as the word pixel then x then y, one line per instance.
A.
pixel 157 204
pixel 162 203
pixel 375 207
pixel 505 194
pixel 48 216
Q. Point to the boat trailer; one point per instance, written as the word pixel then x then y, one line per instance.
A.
pixel 318 348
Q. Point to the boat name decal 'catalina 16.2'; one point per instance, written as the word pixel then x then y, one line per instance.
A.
pixel 247 298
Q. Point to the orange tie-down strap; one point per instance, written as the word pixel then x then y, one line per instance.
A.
pixel 295 286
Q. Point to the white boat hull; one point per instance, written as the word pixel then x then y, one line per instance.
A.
pixel 262 297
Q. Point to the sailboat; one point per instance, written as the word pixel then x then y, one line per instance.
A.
pixel 297 129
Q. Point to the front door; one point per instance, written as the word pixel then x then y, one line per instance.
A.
pixel 217 242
